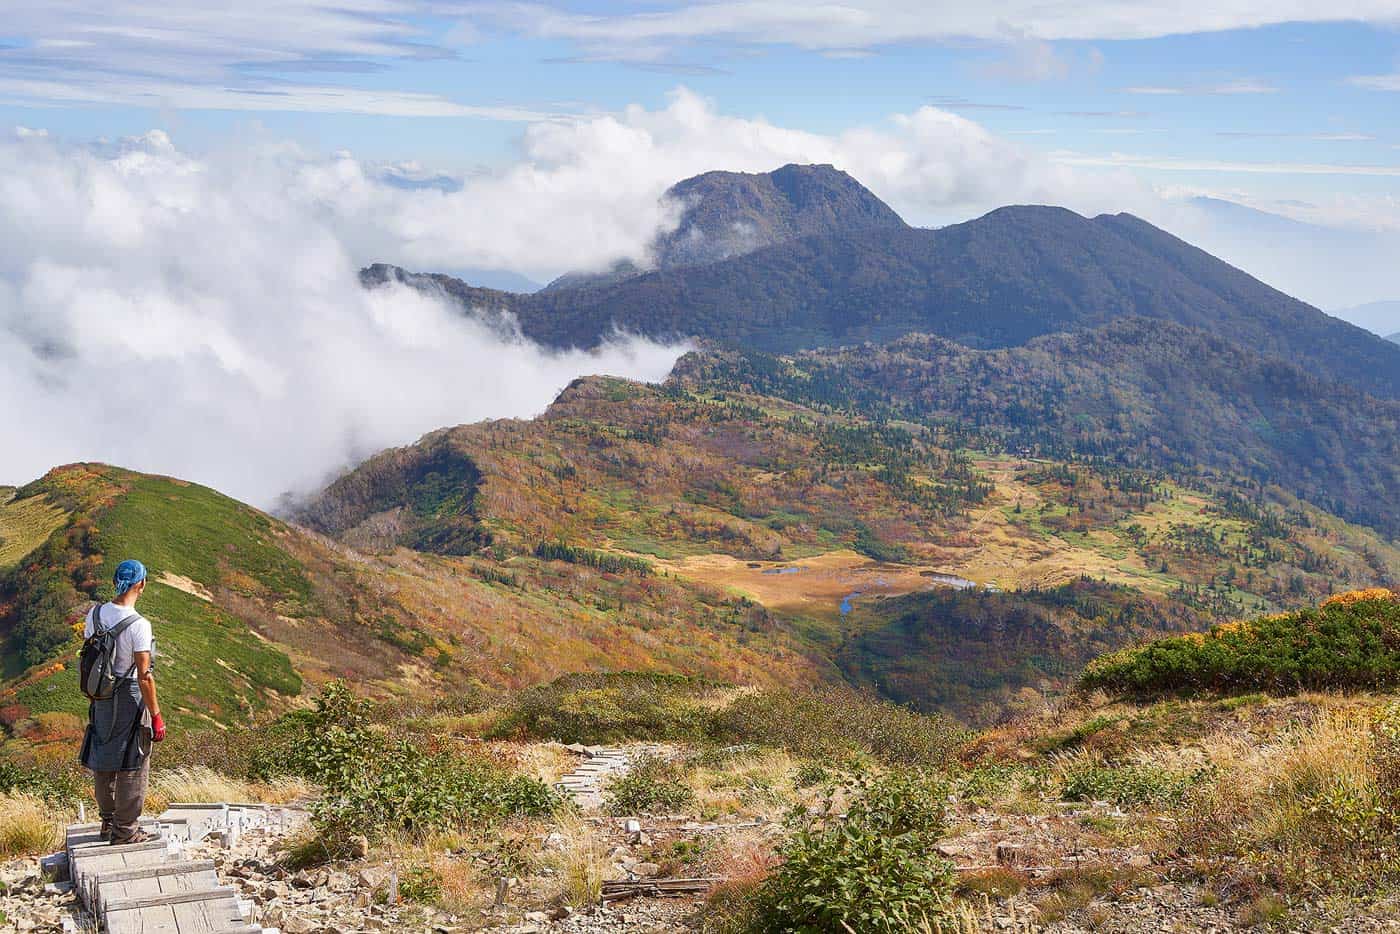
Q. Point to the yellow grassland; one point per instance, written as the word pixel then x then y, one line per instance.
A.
pixel 25 525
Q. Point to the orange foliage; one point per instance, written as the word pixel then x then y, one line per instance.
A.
pixel 1357 596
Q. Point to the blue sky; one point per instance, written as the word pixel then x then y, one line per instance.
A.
pixel 193 185
pixel 1288 108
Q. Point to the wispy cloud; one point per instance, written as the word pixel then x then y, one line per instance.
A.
pixel 962 103
pixel 867 23
pixel 1169 164
pixel 1239 86
pixel 194 54
pixel 1318 137
pixel 1377 82
pixel 1104 114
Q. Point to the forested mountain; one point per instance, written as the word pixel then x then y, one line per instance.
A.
pixel 1136 392
pixel 998 281
pixel 728 214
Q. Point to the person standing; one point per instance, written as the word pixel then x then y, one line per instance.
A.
pixel 117 744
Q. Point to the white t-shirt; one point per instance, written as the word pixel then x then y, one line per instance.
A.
pixel 136 638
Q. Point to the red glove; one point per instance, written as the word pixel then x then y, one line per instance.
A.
pixel 157 728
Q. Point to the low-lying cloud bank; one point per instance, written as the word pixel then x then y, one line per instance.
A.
pixel 202 317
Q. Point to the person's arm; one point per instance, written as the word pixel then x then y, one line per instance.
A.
pixel 146 680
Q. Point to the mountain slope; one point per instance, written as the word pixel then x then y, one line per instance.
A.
pixel 822 513
pixel 1136 392
pixel 728 214
pixel 247 608
pixel 998 281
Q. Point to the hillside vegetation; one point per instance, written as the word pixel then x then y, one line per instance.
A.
pixel 1350 642
pixel 821 517
pixel 1136 393
pixel 246 608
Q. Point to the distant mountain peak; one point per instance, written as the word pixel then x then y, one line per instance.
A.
pixel 729 214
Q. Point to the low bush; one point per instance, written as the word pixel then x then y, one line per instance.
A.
pixel 60 784
pixel 608 708
pixel 836 722
pixel 372 785
pixel 652 785
pixel 420 884
pixel 1350 642
pixel 1088 778
pixel 872 869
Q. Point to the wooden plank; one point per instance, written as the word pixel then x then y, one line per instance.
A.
pixel 175 898
pixel 85 865
pixel 201 917
pixel 159 919
pixel 149 884
pixel 81 836
pixel 160 869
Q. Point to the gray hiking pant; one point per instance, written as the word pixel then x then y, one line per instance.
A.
pixel 120 799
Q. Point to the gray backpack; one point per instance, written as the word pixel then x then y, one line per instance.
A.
pixel 97 661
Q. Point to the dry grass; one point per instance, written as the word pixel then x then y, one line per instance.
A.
pixel 753 784
pixel 580 863
pixel 463 887
pixel 546 761
pixel 1306 804
pixel 200 785
pixel 28 825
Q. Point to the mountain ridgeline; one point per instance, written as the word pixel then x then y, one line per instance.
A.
pixel 729 214
pixel 848 273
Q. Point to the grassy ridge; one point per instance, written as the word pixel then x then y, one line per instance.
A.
pixel 211 664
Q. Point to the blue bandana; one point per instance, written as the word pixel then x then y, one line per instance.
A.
pixel 129 573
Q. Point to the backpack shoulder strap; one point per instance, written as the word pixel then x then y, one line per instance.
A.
pixel 123 624
pixel 117 630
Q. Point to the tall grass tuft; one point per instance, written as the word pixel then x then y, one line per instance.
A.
pixel 28 825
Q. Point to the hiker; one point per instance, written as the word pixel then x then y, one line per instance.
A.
pixel 123 724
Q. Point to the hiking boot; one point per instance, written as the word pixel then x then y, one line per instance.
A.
pixel 139 836
pixel 105 834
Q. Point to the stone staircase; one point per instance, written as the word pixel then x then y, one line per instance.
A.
pixel 153 887
pixel 585 784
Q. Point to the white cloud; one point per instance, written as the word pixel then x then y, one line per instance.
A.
pixel 199 314
pixel 1170 164
pixel 1238 86
pixel 202 317
pixel 1377 82
pixel 865 23
pixel 189 54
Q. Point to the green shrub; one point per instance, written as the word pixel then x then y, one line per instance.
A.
pixel 810 774
pixel 651 785
pixel 420 884
pixel 608 708
pixel 1343 644
pixel 835 722
pixel 372 785
pixel 1086 778
pixel 872 870
pixel 57 785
